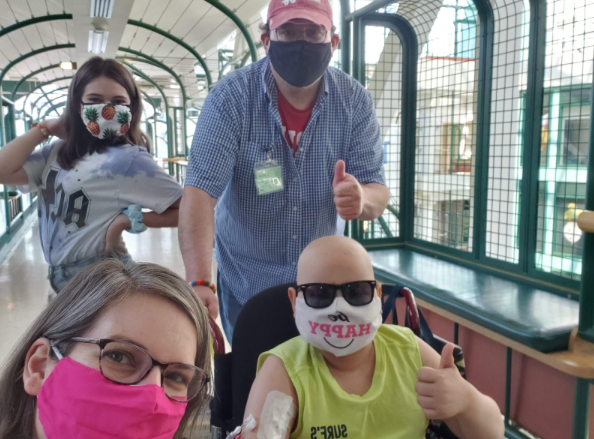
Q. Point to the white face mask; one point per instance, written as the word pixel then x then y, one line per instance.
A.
pixel 106 121
pixel 341 329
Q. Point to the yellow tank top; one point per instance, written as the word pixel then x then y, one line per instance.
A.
pixel 389 409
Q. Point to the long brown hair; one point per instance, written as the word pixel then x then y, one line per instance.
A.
pixel 79 141
pixel 76 309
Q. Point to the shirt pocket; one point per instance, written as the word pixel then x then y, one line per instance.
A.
pixel 244 193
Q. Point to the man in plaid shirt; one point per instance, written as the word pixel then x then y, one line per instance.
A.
pixel 287 149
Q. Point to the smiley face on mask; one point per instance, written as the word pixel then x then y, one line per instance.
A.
pixel 345 326
pixel 336 317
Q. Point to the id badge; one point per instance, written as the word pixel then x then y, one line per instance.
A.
pixel 269 177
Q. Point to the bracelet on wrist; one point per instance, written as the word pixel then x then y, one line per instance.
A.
pixel 134 212
pixel 205 283
pixel 44 131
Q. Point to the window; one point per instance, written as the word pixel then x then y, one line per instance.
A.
pixel 383 79
pixel 447 99
pixel 457 148
pixel 454 223
pixel 568 238
pixel 530 191
pixel 559 243
pixel 575 135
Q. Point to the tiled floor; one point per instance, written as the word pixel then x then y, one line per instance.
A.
pixel 24 287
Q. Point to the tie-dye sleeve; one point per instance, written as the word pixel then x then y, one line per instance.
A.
pixel 34 167
pixel 148 185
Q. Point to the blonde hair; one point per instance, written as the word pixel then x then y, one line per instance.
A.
pixel 76 309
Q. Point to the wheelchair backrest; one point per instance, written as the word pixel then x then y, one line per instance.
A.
pixel 265 322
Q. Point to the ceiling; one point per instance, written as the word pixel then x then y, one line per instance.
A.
pixel 196 22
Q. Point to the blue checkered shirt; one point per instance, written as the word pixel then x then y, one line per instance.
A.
pixel 258 238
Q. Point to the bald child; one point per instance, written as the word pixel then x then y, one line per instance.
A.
pixel 347 374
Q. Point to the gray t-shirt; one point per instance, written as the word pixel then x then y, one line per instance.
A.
pixel 77 206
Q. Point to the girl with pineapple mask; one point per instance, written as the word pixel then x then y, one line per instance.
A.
pixel 94 181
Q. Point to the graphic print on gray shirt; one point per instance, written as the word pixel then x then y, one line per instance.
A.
pixel 77 206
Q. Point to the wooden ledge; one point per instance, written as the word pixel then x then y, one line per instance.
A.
pixel 578 361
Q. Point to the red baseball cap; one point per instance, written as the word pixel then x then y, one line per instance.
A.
pixel 317 11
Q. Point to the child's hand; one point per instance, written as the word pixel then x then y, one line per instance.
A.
pixel 443 393
pixel 113 237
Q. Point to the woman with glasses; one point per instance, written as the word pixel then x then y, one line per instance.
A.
pixel 100 167
pixel 122 352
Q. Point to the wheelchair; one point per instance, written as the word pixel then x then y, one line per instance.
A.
pixel 266 321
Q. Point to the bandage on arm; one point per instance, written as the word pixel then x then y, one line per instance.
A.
pixel 272 402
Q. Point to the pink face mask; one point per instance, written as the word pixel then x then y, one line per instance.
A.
pixel 77 402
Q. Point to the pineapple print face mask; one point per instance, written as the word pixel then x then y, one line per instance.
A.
pixel 106 121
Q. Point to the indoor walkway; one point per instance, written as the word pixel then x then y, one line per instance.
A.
pixel 24 287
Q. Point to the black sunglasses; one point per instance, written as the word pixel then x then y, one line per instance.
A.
pixel 318 295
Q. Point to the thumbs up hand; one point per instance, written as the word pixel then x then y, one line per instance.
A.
pixel 443 393
pixel 348 193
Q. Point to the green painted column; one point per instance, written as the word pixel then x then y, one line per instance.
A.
pixel 581 409
pixel 178 41
pixel 242 28
pixel 586 324
pixel 150 60
pixel 30 75
pixel 150 101
pixel 54 108
pixel 32 21
pixel 39 87
pixel 345 31
pixel 167 118
pixel 50 101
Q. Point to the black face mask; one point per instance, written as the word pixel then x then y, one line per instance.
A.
pixel 300 63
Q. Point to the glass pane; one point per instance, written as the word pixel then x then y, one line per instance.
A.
pixel 446 120
pixel 565 133
pixel 510 66
pixel 575 135
pixel 383 79
pixel 3 226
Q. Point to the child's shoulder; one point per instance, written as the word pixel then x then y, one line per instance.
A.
pixel 295 353
pixel 397 335
pixel 127 150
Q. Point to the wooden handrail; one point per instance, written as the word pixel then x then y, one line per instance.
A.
pixel 577 361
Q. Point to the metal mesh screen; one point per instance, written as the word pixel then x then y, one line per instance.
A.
pixel 383 79
pixel 446 125
pixel 510 67
pixel 569 56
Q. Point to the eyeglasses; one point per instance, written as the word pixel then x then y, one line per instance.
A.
pixel 125 363
pixel 319 295
pixel 311 34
